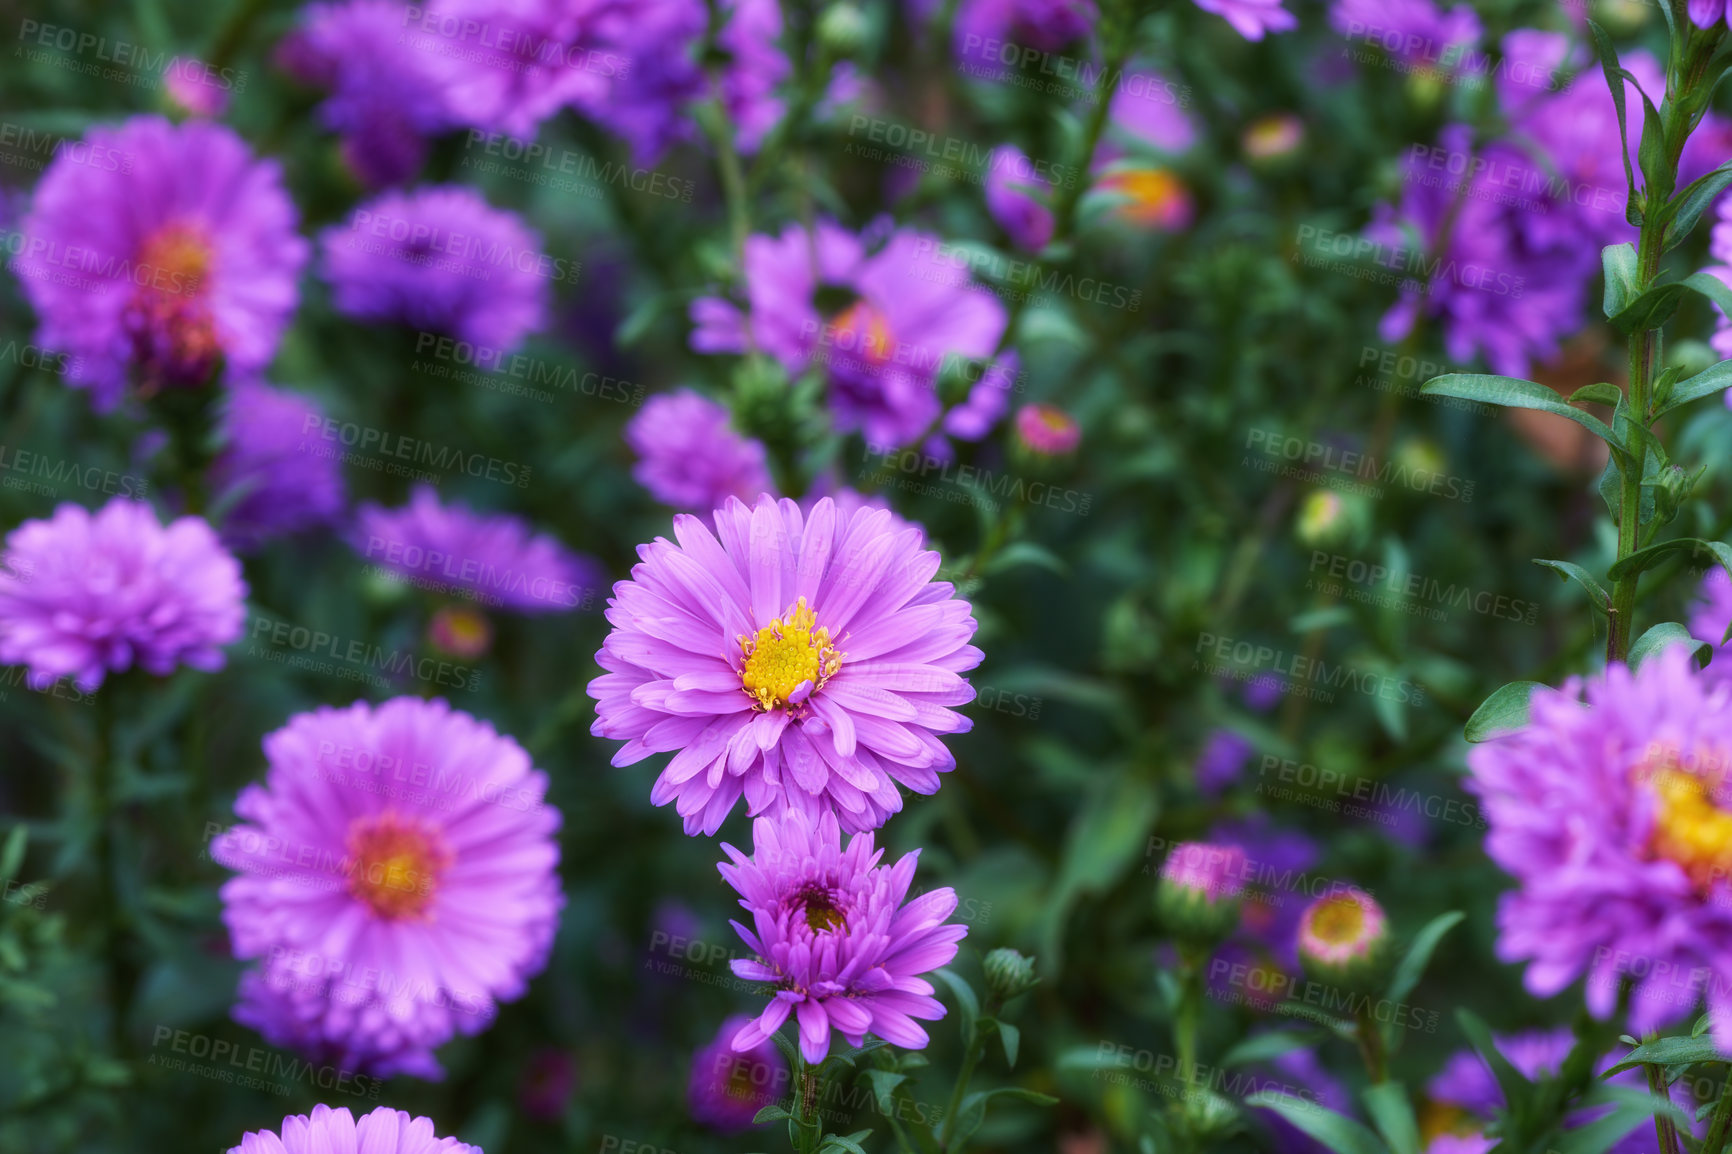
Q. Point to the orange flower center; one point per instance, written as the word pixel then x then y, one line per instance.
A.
pixel 174 325
pixel 395 866
pixel 1689 827
pixel 1153 196
pixel 863 331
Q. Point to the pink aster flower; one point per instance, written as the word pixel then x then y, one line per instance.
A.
pixel 496 559
pixel 805 662
pixel 689 456
pixel 1047 429
pixel 86 594
pixel 195 87
pixel 1251 18
pixel 131 265
pixel 441 259
pixel 881 322
pixel 1611 810
pixel 264 481
pixel 727 1087
pixel 833 936
pixel 1342 927
pixel 398 876
pixel 328 1131
pixel 1710 617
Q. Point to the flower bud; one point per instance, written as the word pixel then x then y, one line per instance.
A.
pixel 1008 974
pixel 1344 940
pixel 1322 518
pixel 842 29
pixel 1209 1115
pixel 1199 892
pixel 1272 139
pixel 460 630
pixel 1047 431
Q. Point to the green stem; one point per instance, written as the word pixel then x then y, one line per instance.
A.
pixel 963 1077
pixel 810 1129
pixel 1716 1140
pixel 1371 1048
pixel 115 931
pixel 1663 1125
pixel 1188 1017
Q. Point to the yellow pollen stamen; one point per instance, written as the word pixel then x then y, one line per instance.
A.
pixel 863 330
pixel 1339 921
pixel 790 654
pixel 821 912
pixel 395 866
pixel 1154 195
pixel 1689 828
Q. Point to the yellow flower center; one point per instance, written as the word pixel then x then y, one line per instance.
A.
pixel 864 331
pixel 1338 921
pixel 1689 828
pixel 821 911
pixel 395 866
pixel 174 323
pixel 1154 196
pixel 788 660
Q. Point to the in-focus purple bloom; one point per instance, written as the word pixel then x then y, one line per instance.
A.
pixel 729 1087
pixel 328 1131
pixel 264 479
pixel 807 662
pixel 833 936
pixel 387 99
pixel 494 558
pixel 1616 822
pixel 1251 18
pixel 131 266
pixel 86 594
pixel 1710 617
pixel 508 65
pixel 443 260
pixel 882 324
pixel 1016 200
pixel 398 877
pixel 689 456
pixel 1415 32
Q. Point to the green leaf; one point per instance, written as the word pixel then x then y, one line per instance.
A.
pixel 1517 1089
pixel 1026 553
pixel 1618 261
pixel 1425 943
pixel 1651 309
pixel 1683 212
pixel 1601 1135
pixel 1706 383
pixel 1339 1133
pixel 1643 559
pixel 1262 1047
pixel 1659 172
pixel 884 1083
pixel 1504 711
pixel 1597 594
pixel 1670 1052
pixel 1702 1025
pixel 1514 393
pixel 1615 81
pixel 1015 1093
pixel 1600 393
pixel 12 856
pixel 849 1143
pixel 1392 1114
pixel 1610 486
pixel 1664 634
pixel 972 1112
pixel 1011 1037
pixel 966 1001
pixel 771 1113
pixel 1663 385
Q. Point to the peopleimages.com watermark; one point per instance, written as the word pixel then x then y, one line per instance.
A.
pixel 329 437
pixel 1364 797
pixel 44 475
pixel 1370 583
pixel 1242 983
pixel 1357 255
pixel 501 369
pixel 1118 1064
pixel 545 166
pixel 250 1067
pixel 34 149
pixel 951 156
pixel 1405 375
pixel 1029 280
pixel 378 665
pixel 1349 469
pixel 908 468
pixel 118 60
pixel 417 242
pixel 1304 676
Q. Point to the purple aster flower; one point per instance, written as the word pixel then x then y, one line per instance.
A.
pixel 495 558
pixel 1251 18
pixel 1707 13
pixel 328 1131
pixel 1221 761
pixel 195 87
pixel 134 266
pixel 1414 32
pixel 1148 111
pixel 1448 1143
pixel 990 35
pixel 650 104
pixel 806 662
pixel 902 313
pixel 1263 692
pixel 85 594
pixel 1615 823
pixel 833 935
pixel 1497 290
pixel 440 259
pixel 690 457
pixel 728 1088
pixel 511 64
pixel 398 876
pixel 1015 194
pixel 386 98
pixel 1709 620
pixel 262 479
